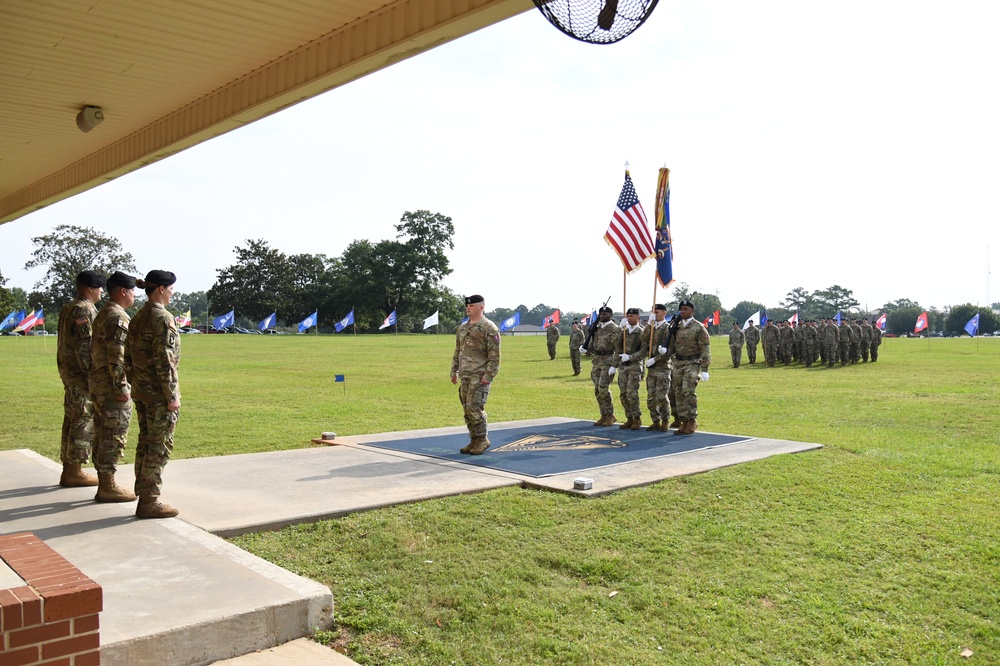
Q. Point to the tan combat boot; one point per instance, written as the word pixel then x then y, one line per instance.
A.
pixel 600 421
pixel 676 423
pixel 152 507
pixel 627 425
pixel 692 425
pixel 608 420
pixel 681 425
pixel 479 445
pixel 468 447
pixel 636 423
pixel 655 425
pixel 109 491
pixel 73 476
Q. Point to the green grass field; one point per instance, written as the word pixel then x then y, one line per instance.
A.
pixel 881 548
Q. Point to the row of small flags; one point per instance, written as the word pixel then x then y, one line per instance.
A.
pixel 23 322
pixel 223 321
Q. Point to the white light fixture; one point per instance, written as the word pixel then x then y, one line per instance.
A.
pixel 89 118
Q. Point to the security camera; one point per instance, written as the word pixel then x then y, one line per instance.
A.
pixel 89 118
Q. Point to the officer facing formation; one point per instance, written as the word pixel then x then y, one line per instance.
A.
pixel 752 335
pixel 152 354
pixel 576 338
pixel 110 390
pixel 604 342
pixel 474 365
pixel 692 354
pixel 552 338
pixel 73 359
pixel 736 339
pixel 629 366
pixel 658 371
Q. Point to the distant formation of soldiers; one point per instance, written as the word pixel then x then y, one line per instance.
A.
pixel 811 341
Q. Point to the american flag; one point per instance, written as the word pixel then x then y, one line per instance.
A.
pixel 628 232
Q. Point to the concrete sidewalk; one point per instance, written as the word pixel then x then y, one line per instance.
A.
pixel 176 593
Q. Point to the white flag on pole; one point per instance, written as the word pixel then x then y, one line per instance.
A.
pixel 752 319
pixel 431 321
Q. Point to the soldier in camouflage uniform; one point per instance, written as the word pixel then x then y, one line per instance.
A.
pixel 866 339
pixel 787 342
pixel 752 334
pixel 736 339
pixel 772 339
pixel 831 342
pixel 855 341
pixel 876 341
pixel 474 365
pixel 810 340
pixel 604 343
pixel 73 359
pixel 576 339
pixel 109 387
pixel 152 353
pixel 692 353
pixel 844 346
pixel 658 371
pixel 629 366
pixel 552 339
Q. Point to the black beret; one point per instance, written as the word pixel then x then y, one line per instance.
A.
pixel 687 303
pixel 736 323
pixel 576 321
pixel 160 278
pixel 475 298
pixel 91 279
pixel 660 306
pixel 605 309
pixel 119 279
pixel 634 311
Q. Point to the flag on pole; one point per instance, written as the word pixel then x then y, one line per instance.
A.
pixel 836 318
pixel 716 317
pixel 388 321
pixel 794 319
pixel 880 322
pixel 431 321
pixel 972 327
pixel 32 320
pixel 183 319
pixel 708 320
pixel 664 243
pixel 346 321
pixel 510 322
pixel 551 319
pixel 12 319
pixel 752 319
pixel 628 233
pixel 308 322
pixel 338 378
pixel 763 317
pixel 222 321
pixel 269 322
pixel 921 322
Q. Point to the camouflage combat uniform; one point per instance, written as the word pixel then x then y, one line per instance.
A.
pixel 771 340
pixel 630 372
pixel 844 346
pixel 855 341
pixel 753 339
pixel 831 343
pixel 152 353
pixel 73 358
pixel 576 339
pixel 551 338
pixel 658 376
pixel 692 353
pixel 477 357
pixel 876 341
pixel 109 382
pixel 736 339
pixel 810 337
pixel 866 340
pixel 603 345
pixel 787 342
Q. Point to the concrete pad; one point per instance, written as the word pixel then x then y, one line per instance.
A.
pixel 302 652
pixel 173 594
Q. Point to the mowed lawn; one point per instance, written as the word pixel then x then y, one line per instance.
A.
pixel 883 547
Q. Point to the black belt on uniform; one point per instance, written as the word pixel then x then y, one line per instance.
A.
pixel 595 352
pixel 679 357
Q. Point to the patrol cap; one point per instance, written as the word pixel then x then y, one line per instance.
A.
pixel 687 303
pixel 660 306
pixel 91 279
pixel 604 309
pixel 634 311
pixel 475 298
pixel 119 279
pixel 160 278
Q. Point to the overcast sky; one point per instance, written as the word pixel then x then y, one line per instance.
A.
pixel 810 144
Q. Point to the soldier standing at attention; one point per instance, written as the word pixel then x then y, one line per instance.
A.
pixel 630 362
pixel 810 336
pixel 692 353
pixel 109 387
pixel 753 339
pixel 576 338
pixel 845 341
pixel 855 341
pixel 552 338
pixel 604 343
pixel 866 339
pixel 771 340
pixel 787 341
pixel 831 342
pixel 73 359
pixel 736 338
pixel 658 371
pixel 474 365
pixel 876 341
pixel 152 353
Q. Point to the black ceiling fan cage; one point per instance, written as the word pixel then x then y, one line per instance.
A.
pixel 596 21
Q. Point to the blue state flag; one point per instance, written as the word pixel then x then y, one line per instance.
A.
pixel 222 321
pixel 510 322
pixel 344 323
pixel 12 319
pixel 270 322
pixel 972 327
pixel 308 322
pixel 763 317
pixel 338 378
pixel 664 243
pixel 837 318
pixel 389 321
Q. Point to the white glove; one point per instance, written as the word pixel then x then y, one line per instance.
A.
pixel 583 350
pixel 650 362
pixel 704 376
pixel 612 370
pixel 625 358
pixel 662 349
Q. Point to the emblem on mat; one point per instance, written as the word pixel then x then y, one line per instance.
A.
pixel 557 442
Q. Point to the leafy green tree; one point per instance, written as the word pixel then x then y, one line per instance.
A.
pixel 902 320
pixel 195 301
pixel 801 301
pixel 66 252
pixel 253 285
pixel 743 310
pixel 898 304
pixel 12 299
pixel 833 300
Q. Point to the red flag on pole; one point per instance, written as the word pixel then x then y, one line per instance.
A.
pixel 921 322
pixel 715 317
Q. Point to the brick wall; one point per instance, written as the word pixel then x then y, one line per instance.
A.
pixel 53 618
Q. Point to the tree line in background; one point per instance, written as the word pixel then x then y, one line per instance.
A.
pixel 405 275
